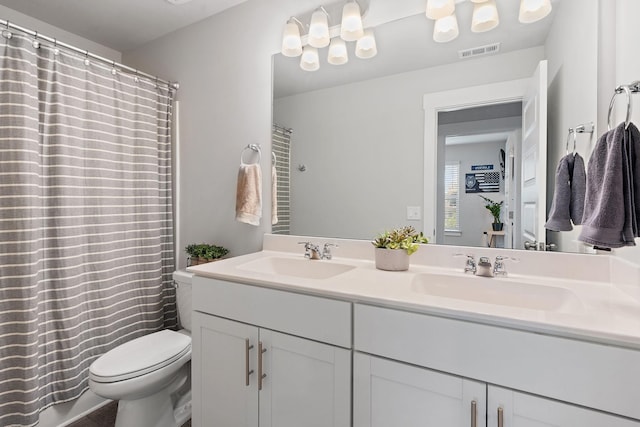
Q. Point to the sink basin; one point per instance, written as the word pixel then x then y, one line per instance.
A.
pixel 296 267
pixel 497 291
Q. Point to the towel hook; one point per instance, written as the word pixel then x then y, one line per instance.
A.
pixel 627 91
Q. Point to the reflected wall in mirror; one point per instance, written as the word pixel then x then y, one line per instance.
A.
pixel 359 129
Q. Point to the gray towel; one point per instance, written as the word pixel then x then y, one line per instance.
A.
pixel 610 210
pixel 559 215
pixel 578 188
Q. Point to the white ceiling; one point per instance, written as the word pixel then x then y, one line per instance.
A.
pixel 119 24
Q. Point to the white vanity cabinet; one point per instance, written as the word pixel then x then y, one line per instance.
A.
pixel 269 358
pixel 434 368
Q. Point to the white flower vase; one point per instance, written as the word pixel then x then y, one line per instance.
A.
pixel 392 259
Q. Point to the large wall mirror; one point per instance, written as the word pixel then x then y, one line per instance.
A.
pixel 362 148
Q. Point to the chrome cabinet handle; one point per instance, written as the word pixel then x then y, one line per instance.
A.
pixel 261 374
pixel 500 417
pixel 474 413
pixel 247 347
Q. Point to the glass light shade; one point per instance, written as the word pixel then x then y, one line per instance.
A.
pixel 366 45
pixel 446 29
pixel 533 10
pixel 478 1
pixel 291 42
pixel 437 9
pixel 337 52
pixel 351 26
pixel 310 61
pixel 485 17
pixel 319 30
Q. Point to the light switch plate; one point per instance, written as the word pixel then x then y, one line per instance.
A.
pixel 413 213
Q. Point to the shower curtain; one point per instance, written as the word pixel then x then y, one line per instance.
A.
pixel 86 235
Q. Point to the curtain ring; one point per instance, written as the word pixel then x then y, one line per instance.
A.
pixel 56 51
pixel 135 77
pixel 36 42
pixel 627 91
pixel 6 33
pixel 86 58
pixel 113 68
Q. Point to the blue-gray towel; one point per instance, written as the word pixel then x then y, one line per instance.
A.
pixel 613 180
pixel 567 205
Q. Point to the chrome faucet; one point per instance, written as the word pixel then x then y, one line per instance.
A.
pixel 312 251
pixel 484 267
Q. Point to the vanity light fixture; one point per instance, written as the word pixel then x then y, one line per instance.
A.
pixel 446 29
pixel 319 28
pixel 366 45
pixel 437 9
pixel 337 52
pixel 485 16
pixel 291 41
pixel 296 43
pixel 533 10
pixel 351 28
pixel 310 61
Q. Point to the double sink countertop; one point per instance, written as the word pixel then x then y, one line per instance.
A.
pixel 583 304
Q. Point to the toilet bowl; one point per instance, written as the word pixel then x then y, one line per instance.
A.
pixel 150 375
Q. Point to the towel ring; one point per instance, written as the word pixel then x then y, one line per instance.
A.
pixel 274 159
pixel 252 147
pixel 575 137
pixel 627 91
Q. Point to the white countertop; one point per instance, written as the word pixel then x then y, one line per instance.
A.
pixel 603 312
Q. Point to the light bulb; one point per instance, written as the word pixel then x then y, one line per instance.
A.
pixel 366 46
pixel 437 9
pixel 446 29
pixel 533 10
pixel 351 26
pixel 310 61
pixel 319 29
pixel 337 52
pixel 291 42
pixel 485 17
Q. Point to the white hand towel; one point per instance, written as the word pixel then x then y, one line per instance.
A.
pixel 249 194
pixel 274 195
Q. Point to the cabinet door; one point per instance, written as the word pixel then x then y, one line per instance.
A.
pixel 221 396
pixel 524 410
pixel 307 383
pixel 388 393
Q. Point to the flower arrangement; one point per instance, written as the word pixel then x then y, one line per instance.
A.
pixel 406 238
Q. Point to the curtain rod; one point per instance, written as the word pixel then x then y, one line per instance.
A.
pixel 56 42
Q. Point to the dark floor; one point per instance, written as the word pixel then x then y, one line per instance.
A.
pixel 104 417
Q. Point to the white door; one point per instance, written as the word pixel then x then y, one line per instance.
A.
pixel 393 394
pixel 508 408
pixel 306 384
pixel 224 353
pixel 534 160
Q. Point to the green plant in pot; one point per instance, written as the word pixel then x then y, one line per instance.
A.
pixel 495 208
pixel 203 252
pixel 393 248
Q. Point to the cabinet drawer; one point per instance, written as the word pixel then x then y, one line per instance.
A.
pixel 316 318
pixel 594 375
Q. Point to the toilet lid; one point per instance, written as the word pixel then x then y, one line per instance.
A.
pixel 140 356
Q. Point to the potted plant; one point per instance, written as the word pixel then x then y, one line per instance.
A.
pixel 393 248
pixel 202 253
pixel 495 208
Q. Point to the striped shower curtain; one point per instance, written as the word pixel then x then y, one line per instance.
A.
pixel 86 239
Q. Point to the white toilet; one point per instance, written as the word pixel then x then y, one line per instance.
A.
pixel 150 376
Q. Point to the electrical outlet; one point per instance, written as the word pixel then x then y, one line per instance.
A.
pixel 413 213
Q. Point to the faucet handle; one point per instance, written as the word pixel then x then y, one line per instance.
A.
pixel 499 267
pixel 307 249
pixel 326 250
pixel 470 265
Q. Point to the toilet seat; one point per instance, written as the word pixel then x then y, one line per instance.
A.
pixel 140 356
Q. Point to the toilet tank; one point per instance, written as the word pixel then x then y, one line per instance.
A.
pixel 182 280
